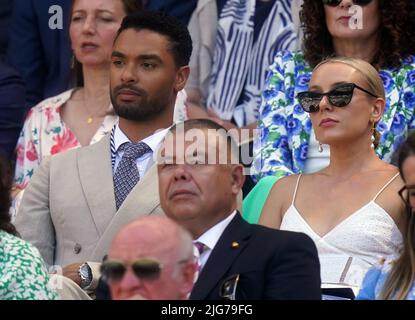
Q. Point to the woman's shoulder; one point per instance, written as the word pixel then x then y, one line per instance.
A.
pixel 53 102
pixel 290 61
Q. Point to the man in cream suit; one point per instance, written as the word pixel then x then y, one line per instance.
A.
pixel 78 200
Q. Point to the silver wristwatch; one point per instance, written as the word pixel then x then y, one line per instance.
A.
pixel 85 274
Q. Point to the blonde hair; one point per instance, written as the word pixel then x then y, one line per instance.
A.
pixel 369 74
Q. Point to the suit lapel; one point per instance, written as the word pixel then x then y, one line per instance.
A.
pixel 142 200
pixel 222 257
pixel 95 174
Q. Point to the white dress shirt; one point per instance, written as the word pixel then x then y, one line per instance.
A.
pixel 211 237
pixel 144 162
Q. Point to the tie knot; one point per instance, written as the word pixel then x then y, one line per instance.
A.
pixel 200 247
pixel 134 150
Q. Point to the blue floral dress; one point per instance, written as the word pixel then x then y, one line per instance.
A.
pixel 374 281
pixel 281 147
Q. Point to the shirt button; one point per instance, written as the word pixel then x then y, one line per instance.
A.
pixel 77 248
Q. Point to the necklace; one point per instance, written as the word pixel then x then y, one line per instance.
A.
pixel 90 117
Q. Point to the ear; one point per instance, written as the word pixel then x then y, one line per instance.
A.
pixel 238 178
pixel 181 77
pixel 188 280
pixel 377 110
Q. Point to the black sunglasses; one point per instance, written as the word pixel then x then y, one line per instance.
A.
pixel 143 268
pixel 338 97
pixel 335 3
pixel 148 269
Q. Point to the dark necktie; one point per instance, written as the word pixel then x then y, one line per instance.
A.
pixel 126 176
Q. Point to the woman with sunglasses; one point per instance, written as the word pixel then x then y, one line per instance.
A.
pixel 378 31
pixel 395 278
pixel 351 208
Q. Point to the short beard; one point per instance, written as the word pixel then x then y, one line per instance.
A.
pixel 142 111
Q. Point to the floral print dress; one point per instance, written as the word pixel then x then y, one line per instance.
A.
pixel 23 275
pixel 281 147
pixel 45 134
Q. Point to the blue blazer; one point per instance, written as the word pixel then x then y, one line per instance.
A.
pixel 12 110
pixel 271 264
pixel 41 55
pixel 182 10
pixel 6 7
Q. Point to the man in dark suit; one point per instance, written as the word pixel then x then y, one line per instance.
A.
pixel 199 181
pixel 11 109
pixel 180 9
pixel 39 47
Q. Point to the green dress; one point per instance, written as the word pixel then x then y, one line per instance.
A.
pixel 253 203
pixel 23 275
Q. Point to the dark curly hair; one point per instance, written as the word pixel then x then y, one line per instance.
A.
pixel 397 33
pixel 5 184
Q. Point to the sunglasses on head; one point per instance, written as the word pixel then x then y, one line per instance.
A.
pixel 338 97
pixel 335 3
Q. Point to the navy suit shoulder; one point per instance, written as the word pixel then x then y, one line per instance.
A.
pixel 182 10
pixel 12 109
pixel 40 54
pixel 271 264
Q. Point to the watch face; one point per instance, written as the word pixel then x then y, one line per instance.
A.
pixel 84 272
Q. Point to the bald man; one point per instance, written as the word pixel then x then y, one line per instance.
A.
pixel 151 258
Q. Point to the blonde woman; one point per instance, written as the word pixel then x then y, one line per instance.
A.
pixel 351 208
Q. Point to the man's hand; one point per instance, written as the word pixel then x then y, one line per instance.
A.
pixel 72 272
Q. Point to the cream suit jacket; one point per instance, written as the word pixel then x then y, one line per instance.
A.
pixel 68 209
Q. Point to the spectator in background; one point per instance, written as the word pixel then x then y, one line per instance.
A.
pixel 39 47
pixel 394 277
pixel 23 275
pixel 246 39
pixel 12 109
pixel 150 258
pixel 286 143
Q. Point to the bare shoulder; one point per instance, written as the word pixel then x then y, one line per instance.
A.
pixel 278 201
pixel 285 185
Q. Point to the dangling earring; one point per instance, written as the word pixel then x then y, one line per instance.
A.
pixel 372 137
pixel 320 147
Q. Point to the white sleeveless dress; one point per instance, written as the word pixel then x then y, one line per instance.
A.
pixel 348 250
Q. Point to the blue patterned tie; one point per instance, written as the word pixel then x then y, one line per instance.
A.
pixel 126 176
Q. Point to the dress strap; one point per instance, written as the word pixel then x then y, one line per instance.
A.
pixel 384 187
pixel 296 187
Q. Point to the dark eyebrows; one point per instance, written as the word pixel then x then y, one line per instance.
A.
pixel 117 54
pixel 150 57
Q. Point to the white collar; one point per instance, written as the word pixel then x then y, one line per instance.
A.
pixel 152 141
pixel 211 236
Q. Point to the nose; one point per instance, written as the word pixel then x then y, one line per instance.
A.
pixel 128 75
pixel 89 27
pixel 346 3
pixel 181 173
pixel 129 282
pixel 325 104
